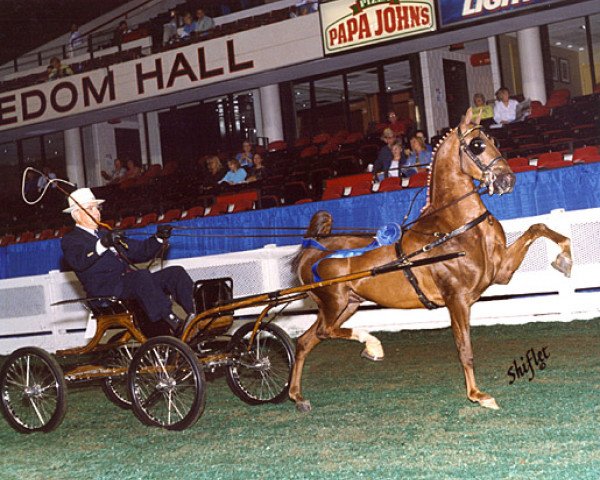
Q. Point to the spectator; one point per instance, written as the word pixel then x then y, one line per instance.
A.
pixel 304 7
pixel 58 70
pixel 245 156
pixel 397 126
pixel 258 171
pixel 76 41
pixel 481 108
pixel 418 155
pixel 421 134
pixel 385 156
pixel 236 173
pixel 215 171
pixel 505 108
pixel 204 24
pixel 116 175
pixel 121 30
pixel 47 175
pixel 133 171
pixel 170 29
pixel 189 26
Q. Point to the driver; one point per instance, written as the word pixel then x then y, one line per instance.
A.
pixel 97 257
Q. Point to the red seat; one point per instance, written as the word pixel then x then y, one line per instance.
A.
pixel 353 138
pixel 126 222
pixel 310 151
pixel 522 168
pixel 7 239
pixel 321 138
pixel 328 148
pixel 518 162
pixel 558 98
pixel 62 231
pixel 171 216
pixel 277 146
pixel 217 209
pixel 197 211
pixel 147 219
pixel 302 142
pixel 361 188
pixel 551 160
pixel 25 237
pixel 332 191
pixel 46 234
pixel 419 179
pixel 587 154
pixel 242 205
pixel 303 200
pixel 390 184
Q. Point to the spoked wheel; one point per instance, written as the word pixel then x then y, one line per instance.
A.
pixel 166 385
pixel 115 388
pixel 260 372
pixel 33 391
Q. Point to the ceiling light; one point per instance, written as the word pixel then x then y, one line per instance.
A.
pixel 569 46
pixel 581 49
pixel 558 44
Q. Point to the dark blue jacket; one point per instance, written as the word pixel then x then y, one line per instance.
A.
pixel 101 275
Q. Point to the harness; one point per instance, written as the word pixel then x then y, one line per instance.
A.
pixel 441 238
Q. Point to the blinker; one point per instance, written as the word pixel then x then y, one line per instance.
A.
pixel 477 146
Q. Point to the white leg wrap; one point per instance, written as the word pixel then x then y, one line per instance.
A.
pixel 372 344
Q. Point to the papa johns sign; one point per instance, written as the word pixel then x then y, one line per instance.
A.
pixel 347 25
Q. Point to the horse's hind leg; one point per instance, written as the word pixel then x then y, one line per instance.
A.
pixel 460 313
pixel 332 313
pixel 514 255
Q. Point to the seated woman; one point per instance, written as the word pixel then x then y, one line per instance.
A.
pixel 245 156
pixel 482 110
pixel 417 155
pixel 236 173
pixel 258 171
pixel 214 171
pixel 505 108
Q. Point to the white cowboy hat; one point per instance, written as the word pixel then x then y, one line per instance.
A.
pixel 81 196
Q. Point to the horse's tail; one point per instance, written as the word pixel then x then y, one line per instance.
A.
pixel 320 224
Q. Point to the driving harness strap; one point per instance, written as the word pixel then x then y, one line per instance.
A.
pixel 442 238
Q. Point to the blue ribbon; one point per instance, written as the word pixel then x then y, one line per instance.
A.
pixel 386 235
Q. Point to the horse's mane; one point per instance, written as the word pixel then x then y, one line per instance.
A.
pixel 431 166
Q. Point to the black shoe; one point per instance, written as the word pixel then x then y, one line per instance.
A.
pixel 185 323
pixel 175 323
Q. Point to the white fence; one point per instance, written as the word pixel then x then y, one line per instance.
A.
pixel 536 293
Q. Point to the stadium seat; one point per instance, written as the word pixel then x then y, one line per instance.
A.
pixel 587 154
pixel 390 184
pixel 170 216
pixel 147 219
pixel 419 179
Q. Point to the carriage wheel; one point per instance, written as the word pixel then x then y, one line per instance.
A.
pixel 262 373
pixel 166 384
pixel 115 388
pixel 33 391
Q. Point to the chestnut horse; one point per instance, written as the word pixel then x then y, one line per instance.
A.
pixel 454 219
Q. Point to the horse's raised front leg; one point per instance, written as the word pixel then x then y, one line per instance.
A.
pixel 460 313
pixel 514 255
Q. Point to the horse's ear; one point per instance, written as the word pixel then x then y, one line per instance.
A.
pixel 468 118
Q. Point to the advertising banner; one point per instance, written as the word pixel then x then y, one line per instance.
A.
pixel 461 11
pixel 348 24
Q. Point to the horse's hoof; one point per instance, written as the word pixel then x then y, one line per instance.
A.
pixel 489 403
pixel 563 264
pixel 303 406
pixel 368 356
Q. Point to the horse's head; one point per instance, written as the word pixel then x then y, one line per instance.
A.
pixel 481 159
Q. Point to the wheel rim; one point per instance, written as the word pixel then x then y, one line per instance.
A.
pixel 263 371
pixel 120 358
pixel 30 392
pixel 165 385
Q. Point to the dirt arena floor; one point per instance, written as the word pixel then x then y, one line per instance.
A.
pixel 404 418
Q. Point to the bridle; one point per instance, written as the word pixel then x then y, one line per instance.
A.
pixel 473 150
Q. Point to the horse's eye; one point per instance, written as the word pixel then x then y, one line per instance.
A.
pixel 477 146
